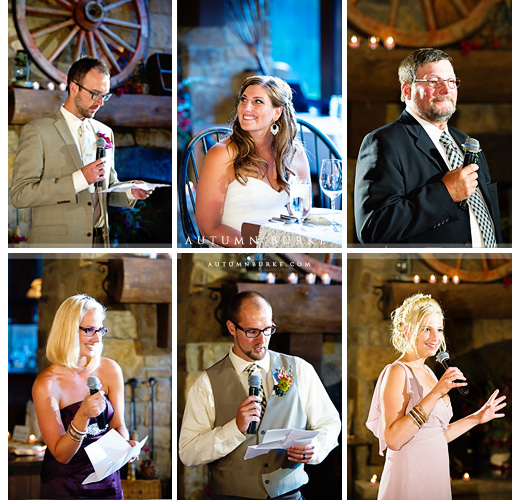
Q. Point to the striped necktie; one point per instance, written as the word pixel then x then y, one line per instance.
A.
pixel 476 200
pixel 263 400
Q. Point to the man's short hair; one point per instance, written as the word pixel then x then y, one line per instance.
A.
pixel 236 303
pixel 82 66
pixel 407 72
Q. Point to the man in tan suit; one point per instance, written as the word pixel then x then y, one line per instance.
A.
pixel 55 170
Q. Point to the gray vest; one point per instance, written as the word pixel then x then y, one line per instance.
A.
pixel 267 475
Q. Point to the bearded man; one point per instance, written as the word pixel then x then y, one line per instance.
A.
pixel 411 188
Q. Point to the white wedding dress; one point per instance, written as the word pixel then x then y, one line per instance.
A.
pixel 255 200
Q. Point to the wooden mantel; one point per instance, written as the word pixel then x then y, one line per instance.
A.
pixel 128 110
pixel 466 300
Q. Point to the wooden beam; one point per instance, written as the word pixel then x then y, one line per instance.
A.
pixel 128 110
pixel 140 280
pixel 466 300
pixel 302 308
pixel 373 75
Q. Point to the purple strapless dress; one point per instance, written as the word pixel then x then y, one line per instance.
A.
pixel 64 480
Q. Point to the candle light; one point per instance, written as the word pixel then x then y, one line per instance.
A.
pixel 354 42
pixel 32 438
pixel 325 278
pixel 373 479
pixel 445 279
pixel 466 476
pixel 432 279
pixel 271 278
pixel 416 279
pixel 62 86
pixel 293 278
pixel 8 435
pixel 389 43
pixel 373 42
pixel 456 279
pixel 51 86
pixel 310 278
pixel 35 85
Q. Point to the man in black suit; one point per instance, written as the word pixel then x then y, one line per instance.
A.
pixel 409 188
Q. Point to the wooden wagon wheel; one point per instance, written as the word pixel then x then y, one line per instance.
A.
pixel 56 35
pixel 437 23
pixel 472 268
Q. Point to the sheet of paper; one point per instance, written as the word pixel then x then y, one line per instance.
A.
pixel 126 186
pixel 109 453
pixel 280 439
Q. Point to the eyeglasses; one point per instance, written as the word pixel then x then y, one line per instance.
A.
pixel 89 332
pixel 438 82
pixel 96 96
pixel 252 333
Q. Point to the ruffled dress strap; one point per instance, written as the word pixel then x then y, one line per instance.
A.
pixel 375 423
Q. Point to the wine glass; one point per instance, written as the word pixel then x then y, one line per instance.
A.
pixel 300 198
pixel 330 180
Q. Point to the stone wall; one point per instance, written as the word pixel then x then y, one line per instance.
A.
pixel 131 341
pixel 201 53
pixel 369 348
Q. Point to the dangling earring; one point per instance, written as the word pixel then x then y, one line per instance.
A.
pixel 274 128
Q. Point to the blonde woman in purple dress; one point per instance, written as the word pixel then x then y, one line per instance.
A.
pixel 411 410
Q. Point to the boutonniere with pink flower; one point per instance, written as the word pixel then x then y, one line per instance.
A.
pixel 283 380
pixel 107 140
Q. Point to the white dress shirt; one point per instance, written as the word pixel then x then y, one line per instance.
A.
pixel 434 133
pixel 201 443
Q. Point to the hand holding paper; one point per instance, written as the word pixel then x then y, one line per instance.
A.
pixel 109 453
pixel 280 439
pixel 126 186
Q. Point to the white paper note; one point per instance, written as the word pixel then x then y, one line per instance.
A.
pixel 280 439
pixel 126 186
pixel 109 453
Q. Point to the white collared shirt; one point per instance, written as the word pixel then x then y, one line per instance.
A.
pixel 73 122
pixel 434 133
pixel 201 443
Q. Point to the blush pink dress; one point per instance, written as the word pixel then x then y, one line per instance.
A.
pixel 420 469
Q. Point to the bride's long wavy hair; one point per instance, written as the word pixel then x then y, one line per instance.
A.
pixel 284 144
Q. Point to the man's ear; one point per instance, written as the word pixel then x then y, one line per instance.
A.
pixel 406 91
pixel 231 327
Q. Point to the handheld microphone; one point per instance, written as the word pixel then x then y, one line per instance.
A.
pixel 254 385
pixel 445 360
pixel 100 153
pixel 94 384
pixel 471 151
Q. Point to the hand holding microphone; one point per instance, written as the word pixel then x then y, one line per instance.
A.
pixel 97 405
pixel 470 158
pixel 451 374
pixel 249 411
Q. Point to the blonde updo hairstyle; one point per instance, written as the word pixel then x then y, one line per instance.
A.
pixel 63 342
pixel 409 317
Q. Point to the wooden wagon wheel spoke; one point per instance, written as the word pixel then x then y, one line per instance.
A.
pixel 118 32
pixel 468 19
pixel 472 268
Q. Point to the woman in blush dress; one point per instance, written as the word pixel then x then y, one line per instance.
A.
pixel 65 409
pixel 246 176
pixel 411 410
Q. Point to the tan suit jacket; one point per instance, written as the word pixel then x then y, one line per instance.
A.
pixel 42 180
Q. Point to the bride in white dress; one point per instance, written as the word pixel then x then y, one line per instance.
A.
pixel 245 177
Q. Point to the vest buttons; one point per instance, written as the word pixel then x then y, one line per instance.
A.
pixel 266 465
pixel 263 432
pixel 267 481
pixel 89 235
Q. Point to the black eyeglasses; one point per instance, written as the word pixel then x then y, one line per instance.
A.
pixel 252 333
pixel 436 82
pixel 89 332
pixel 96 96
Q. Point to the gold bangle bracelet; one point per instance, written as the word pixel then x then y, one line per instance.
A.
pixel 418 418
pixel 71 435
pixel 414 419
pixel 77 431
pixel 418 407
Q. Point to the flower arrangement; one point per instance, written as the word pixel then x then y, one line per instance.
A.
pixel 283 380
pixel 107 140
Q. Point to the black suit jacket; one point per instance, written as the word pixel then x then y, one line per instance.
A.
pixel 399 196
